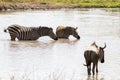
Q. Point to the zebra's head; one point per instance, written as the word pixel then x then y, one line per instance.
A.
pixel 46 31
pixel 74 32
pixel 51 34
pixel 101 53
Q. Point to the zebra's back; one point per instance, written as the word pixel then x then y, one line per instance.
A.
pixel 23 33
pixel 29 33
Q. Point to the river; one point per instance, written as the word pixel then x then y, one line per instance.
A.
pixel 46 59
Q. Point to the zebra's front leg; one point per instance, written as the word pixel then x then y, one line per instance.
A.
pixel 12 38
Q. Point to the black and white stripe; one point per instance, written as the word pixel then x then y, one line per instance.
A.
pixel 29 33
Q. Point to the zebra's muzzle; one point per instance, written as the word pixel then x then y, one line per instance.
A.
pixel 56 38
pixel 78 37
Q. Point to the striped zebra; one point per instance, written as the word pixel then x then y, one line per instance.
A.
pixel 65 32
pixel 92 54
pixel 29 33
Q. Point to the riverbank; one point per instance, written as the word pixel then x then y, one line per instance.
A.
pixel 5 6
pixel 26 6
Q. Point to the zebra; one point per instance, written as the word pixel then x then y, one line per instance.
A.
pixel 92 54
pixel 65 32
pixel 29 33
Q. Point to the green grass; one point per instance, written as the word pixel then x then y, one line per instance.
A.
pixel 81 3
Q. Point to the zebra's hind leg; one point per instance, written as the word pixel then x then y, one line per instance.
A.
pixel 12 37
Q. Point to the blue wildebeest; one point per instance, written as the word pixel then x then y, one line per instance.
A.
pixel 65 32
pixel 92 54
pixel 29 33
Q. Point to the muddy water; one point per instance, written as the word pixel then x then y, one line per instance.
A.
pixel 46 59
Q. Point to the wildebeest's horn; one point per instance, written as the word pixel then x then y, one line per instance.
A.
pixel 94 42
pixel 104 46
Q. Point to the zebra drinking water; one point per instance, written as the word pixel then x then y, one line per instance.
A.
pixel 65 32
pixel 29 33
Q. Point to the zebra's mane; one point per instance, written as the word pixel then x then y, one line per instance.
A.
pixel 62 27
pixel 44 27
pixel 69 27
pixel 43 30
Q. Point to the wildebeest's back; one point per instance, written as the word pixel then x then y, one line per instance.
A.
pixel 90 56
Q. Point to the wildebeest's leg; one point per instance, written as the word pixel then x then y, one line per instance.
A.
pixel 93 69
pixel 89 68
pixel 97 68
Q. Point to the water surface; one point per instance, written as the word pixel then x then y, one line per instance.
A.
pixel 46 59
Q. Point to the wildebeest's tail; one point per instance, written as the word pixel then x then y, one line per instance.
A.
pixel 85 64
pixel 88 64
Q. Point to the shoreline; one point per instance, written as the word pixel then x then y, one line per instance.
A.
pixel 5 6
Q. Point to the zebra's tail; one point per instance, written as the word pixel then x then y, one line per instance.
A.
pixel 5 30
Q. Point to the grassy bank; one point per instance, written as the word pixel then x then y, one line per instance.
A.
pixel 80 3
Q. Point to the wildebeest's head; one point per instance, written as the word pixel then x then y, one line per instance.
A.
pixel 74 32
pixel 101 53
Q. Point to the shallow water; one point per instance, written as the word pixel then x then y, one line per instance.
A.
pixel 46 59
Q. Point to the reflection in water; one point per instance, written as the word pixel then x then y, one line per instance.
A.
pixel 18 44
pixel 68 41
pixel 22 45
pixel 6 12
pixel 96 77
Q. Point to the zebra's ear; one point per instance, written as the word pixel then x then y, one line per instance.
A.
pixel 76 28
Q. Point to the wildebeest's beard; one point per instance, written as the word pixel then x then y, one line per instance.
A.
pixel 101 56
pixel 102 60
pixel 102 53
